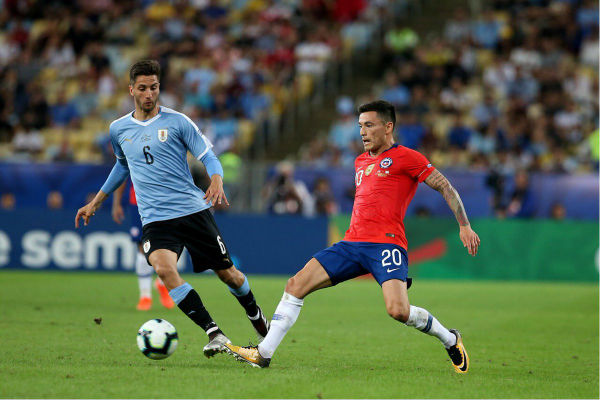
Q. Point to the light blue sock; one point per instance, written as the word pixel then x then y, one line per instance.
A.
pixel 242 290
pixel 179 293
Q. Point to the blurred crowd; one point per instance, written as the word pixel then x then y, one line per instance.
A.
pixel 230 65
pixel 513 88
pixel 510 91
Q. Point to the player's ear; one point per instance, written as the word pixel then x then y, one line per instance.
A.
pixel 131 90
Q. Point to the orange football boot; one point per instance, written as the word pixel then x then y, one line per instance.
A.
pixel 144 304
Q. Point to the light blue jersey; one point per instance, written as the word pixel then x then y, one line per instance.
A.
pixel 155 151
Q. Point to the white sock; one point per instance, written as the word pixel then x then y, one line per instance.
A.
pixel 425 322
pixel 284 317
pixel 144 274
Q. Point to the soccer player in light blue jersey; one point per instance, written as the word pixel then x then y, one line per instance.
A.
pixel 151 145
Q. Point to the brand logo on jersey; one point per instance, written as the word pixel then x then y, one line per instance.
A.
pixel 162 135
pixel 126 140
pixel 385 163
pixel 146 246
pixel 146 138
pixel 369 169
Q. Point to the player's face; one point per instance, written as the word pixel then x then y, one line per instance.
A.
pixel 373 131
pixel 145 91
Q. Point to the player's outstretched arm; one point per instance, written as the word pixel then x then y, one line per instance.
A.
pixel 90 208
pixel 117 176
pixel 468 237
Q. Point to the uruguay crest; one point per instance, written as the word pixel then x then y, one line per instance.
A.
pixel 386 162
pixel 163 134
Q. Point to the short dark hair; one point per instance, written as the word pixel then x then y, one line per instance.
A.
pixel 145 68
pixel 385 111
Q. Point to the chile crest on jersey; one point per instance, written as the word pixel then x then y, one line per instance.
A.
pixel 386 162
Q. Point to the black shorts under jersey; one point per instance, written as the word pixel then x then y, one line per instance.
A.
pixel 197 232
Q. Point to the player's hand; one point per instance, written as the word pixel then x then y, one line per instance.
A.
pixel 117 213
pixel 85 213
pixel 215 193
pixel 469 239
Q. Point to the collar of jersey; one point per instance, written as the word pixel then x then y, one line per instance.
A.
pixel 148 121
pixel 393 147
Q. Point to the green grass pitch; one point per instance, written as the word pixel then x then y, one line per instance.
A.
pixel 525 340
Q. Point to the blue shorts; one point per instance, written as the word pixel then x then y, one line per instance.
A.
pixel 135 230
pixel 346 260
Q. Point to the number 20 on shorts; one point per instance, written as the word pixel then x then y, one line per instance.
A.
pixel 388 257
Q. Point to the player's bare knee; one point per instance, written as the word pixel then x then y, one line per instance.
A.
pixel 398 311
pixel 294 288
pixel 290 285
pixel 163 270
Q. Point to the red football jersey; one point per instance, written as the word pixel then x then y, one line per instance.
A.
pixel 385 185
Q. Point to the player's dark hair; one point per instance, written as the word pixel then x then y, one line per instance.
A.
pixel 144 68
pixel 385 111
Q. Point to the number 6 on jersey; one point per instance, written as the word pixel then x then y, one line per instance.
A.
pixel 149 157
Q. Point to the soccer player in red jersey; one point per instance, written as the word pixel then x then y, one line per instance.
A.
pixel 386 179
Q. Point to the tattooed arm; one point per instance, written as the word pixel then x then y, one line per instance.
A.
pixel 439 182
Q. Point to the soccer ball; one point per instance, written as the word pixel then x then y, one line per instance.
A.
pixel 157 339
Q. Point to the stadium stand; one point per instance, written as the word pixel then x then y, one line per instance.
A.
pixel 516 88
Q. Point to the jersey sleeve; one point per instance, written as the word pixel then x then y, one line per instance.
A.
pixel 417 165
pixel 114 141
pixel 194 140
